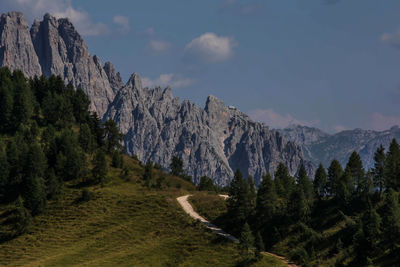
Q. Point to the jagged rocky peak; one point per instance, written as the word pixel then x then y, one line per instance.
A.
pixel 135 81
pixel 16 48
pixel 114 77
pixel 62 51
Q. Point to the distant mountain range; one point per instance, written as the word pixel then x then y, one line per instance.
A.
pixel 320 147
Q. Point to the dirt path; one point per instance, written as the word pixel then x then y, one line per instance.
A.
pixel 183 201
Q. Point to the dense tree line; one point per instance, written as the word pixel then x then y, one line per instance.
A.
pixel 47 137
pixel 366 200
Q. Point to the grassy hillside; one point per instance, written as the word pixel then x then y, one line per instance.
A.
pixel 123 224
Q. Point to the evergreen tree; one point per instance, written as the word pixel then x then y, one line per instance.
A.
pixel 371 227
pixel 344 188
pixel 6 100
pixel 53 183
pixel 335 171
pixel 304 183
pixel 206 184
pixel 392 166
pixel 34 194
pixel 355 168
pixel 117 160
pixel 112 136
pixel 284 183
pixel 252 192
pixel 267 201
pixel 391 219
pixel 80 103
pixel 148 173
pixel 299 208
pixel 379 168
pixel 86 139
pixel 320 182
pixel 176 166
pixel 246 241
pixel 36 162
pixel 99 171
pixel 259 244
pixel 239 203
pixel 22 219
pixel 23 100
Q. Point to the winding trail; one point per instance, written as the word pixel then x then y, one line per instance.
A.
pixel 183 201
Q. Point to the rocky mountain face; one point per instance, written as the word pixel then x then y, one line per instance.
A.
pixel 53 46
pixel 322 147
pixel 213 141
pixel 16 47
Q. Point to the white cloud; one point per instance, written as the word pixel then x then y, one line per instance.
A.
pixel 391 38
pixel 276 120
pixel 35 9
pixel 170 79
pixel 159 46
pixel 123 22
pixel 209 48
pixel 382 122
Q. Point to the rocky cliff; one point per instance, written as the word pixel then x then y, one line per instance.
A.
pixel 213 141
pixel 322 147
pixel 16 47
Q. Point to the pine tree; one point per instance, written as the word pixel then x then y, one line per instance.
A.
pixel 379 168
pixel 344 188
pixel 148 173
pixel 335 171
pixel 252 192
pixel 267 201
pixel 371 227
pixel 34 194
pixel 23 100
pixel 22 218
pixel 112 136
pixel 355 168
pixel 206 184
pixel 86 139
pixel 284 183
pixel 259 244
pixel 392 166
pixel 6 100
pixel 304 183
pixel 99 171
pixel 246 241
pixel 391 219
pixel 176 166
pixel 239 203
pixel 54 185
pixel 320 182
pixel 299 207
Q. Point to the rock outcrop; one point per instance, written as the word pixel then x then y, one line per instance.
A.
pixel 213 141
pixel 16 48
pixel 62 51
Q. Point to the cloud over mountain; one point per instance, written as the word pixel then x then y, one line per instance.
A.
pixel 209 48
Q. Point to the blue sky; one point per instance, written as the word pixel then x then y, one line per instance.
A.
pixel 332 64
